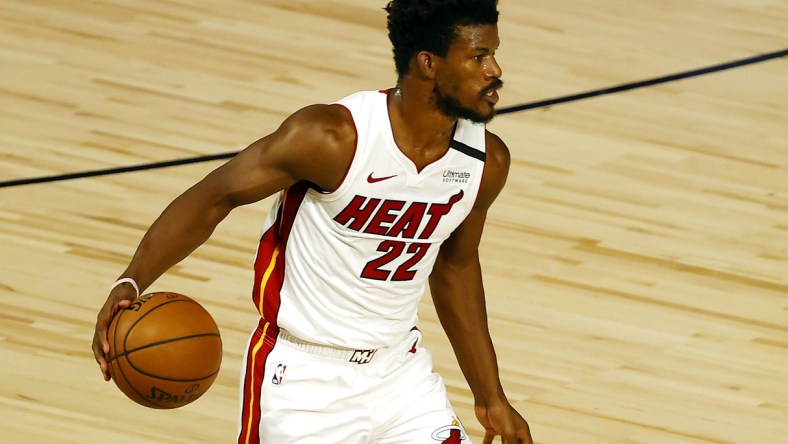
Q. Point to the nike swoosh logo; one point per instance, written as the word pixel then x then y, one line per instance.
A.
pixel 371 179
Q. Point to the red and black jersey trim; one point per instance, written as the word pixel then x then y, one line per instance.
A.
pixel 269 270
pixel 269 266
pixel 468 150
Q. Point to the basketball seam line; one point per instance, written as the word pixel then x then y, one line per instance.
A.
pixel 167 341
pixel 120 367
pixel 144 315
pixel 161 378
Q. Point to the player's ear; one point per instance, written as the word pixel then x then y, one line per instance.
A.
pixel 426 64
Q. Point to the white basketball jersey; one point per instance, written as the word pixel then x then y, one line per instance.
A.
pixel 348 268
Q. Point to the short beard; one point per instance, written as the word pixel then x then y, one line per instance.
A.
pixel 450 107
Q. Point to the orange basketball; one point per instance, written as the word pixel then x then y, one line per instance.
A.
pixel 165 350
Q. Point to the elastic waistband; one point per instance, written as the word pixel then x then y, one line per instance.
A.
pixel 339 353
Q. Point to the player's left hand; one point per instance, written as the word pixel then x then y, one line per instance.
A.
pixel 502 419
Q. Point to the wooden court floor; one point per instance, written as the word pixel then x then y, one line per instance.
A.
pixel 636 265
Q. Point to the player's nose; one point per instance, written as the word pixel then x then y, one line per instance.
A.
pixel 493 70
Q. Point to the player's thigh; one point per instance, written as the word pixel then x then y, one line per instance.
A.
pixel 441 426
pixel 306 400
pixel 424 414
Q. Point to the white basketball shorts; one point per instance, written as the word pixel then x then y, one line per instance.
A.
pixel 294 392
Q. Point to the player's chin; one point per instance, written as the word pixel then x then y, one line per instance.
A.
pixel 487 104
pixel 486 113
pixel 482 112
pixel 491 111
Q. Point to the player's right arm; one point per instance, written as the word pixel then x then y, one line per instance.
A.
pixel 314 144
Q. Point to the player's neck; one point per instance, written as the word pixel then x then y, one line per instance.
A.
pixel 419 129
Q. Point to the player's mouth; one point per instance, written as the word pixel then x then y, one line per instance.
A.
pixel 492 97
pixel 490 93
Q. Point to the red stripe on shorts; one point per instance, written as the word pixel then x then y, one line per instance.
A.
pixel 263 341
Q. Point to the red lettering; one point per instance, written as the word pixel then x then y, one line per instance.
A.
pixel 409 222
pixel 386 219
pixel 384 216
pixel 436 212
pixel 393 249
pixel 372 270
pixel 357 211
pixel 404 272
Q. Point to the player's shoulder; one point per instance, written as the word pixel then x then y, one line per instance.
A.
pixel 496 169
pixel 327 123
pixel 316 143
pixel 337 122
pixel 498 155
pixel 331 119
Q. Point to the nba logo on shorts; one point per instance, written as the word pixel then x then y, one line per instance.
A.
pixel 279 374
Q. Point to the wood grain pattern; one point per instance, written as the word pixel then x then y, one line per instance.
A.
pixel 636 264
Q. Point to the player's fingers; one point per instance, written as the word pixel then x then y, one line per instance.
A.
pixel 100 337
pixel 524 431
pixel 99 354
pixel 100 343
pixel 105 318
pixel 105 370
pixel 510 437
pixel 525 436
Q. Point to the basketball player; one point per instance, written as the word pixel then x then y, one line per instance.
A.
pixel 377 194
